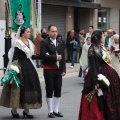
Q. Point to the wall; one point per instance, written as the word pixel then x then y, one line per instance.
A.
pixel 109 3
pixel 2 10
pixel 2 42
pixel 85 18
pixel 114 6
pixel 69 18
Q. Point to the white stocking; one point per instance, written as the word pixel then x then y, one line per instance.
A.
pixel 49 103
pixel 56 104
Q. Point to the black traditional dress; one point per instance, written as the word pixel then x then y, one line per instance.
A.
pixel 29 95
pixel 99 64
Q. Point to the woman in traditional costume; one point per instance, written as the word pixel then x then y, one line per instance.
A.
pixel 99 102
pixel 26 92
pixel 84 56
pixel 115 53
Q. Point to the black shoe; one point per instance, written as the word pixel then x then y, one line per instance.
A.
pixel 51 115
pixel 28 116
pixel 59 114
pixel 14 115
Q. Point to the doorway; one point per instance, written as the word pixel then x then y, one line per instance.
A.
pixel 76 19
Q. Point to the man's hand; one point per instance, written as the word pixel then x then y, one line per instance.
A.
pixel 63 74
pixel 71 41
pixel 59 57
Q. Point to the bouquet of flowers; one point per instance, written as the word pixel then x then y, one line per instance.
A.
pixel 103 81
pixel 103 84
pixel 11 76
pixel 14 68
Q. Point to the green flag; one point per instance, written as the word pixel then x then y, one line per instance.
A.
pixel 20 13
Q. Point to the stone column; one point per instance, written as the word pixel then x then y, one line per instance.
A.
pixel 95 18
pixel 69 18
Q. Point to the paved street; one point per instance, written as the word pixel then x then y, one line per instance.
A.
pixel 70 100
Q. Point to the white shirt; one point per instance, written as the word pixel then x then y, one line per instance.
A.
pixel 87 35
pixel 54 41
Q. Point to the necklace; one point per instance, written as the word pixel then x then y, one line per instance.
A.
pixel 25 41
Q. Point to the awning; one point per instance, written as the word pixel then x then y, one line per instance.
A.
pixel 72 3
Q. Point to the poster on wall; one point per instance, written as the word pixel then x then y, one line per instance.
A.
pixel 2 42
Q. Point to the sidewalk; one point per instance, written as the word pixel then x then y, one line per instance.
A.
pixel 69 71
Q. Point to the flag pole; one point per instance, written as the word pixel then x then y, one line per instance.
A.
pixel 39 15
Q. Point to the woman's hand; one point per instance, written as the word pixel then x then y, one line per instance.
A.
pixel 96 86
pixel 47 53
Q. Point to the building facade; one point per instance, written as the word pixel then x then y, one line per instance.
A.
pixel 111 11
pixel 68 14
pixel 79 14
pixel 72 14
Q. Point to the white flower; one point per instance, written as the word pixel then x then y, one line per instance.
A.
pixel 100 92
pixel 14 67
pixel 105 80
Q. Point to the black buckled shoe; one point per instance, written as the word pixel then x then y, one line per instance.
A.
pixel 14 115
pixel 51 115
pixel 28 116
pixel 59 114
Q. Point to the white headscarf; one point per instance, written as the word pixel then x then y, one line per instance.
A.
pixel 11 51
pixel 84 56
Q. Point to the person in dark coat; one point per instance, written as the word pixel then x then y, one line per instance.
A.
pixel 44 33
pixel 54 67
pixel 69 44
pixel 59 37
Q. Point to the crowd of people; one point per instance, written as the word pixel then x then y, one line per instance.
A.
pixel 98 53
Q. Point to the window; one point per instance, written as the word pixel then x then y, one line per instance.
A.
pixel 103 19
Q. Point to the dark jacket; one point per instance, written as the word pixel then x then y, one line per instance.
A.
pixel 70 46
pixel 47 46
